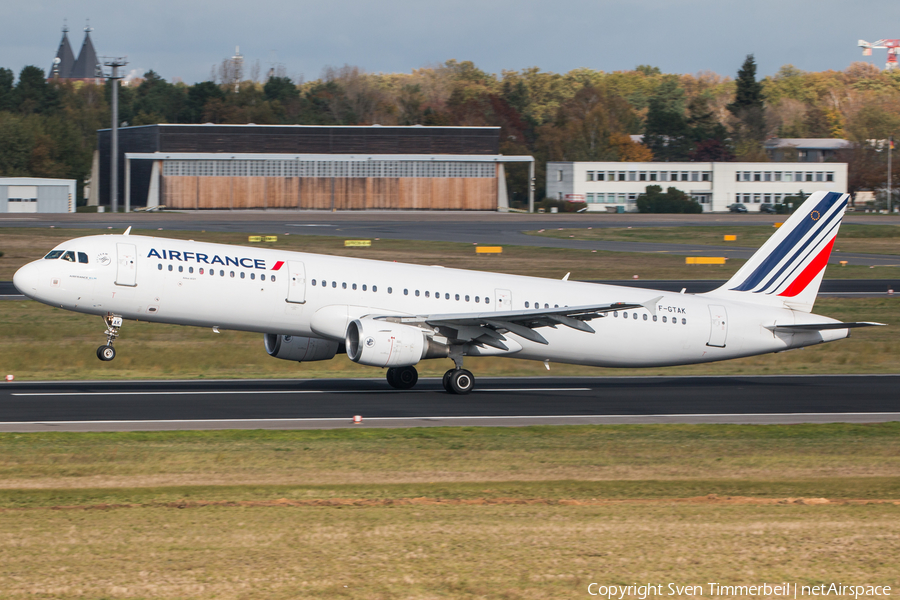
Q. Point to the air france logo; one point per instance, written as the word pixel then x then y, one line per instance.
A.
pixel 215 259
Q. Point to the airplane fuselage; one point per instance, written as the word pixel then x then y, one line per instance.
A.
pixel 274 291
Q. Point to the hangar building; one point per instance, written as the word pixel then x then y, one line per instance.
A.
pixel 306 167
pixel 36 195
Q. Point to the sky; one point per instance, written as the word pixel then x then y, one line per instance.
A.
pixel 182 40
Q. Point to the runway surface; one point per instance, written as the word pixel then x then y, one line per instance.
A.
pixel 321 404
pixel 469 227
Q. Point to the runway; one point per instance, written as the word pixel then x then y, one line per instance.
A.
pixel 326 404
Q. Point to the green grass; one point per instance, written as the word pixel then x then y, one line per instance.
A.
pixel 447 456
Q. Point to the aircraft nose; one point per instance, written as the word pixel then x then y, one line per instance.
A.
pixel 26 280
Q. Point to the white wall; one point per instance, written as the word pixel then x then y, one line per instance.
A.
pixel 715 185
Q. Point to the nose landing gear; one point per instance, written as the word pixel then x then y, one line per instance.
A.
pixel 107 352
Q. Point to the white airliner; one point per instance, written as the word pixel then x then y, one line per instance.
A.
pixel 392 315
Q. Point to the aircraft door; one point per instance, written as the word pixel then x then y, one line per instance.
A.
pixel 504 300
pixel 296 282
pixel 718 326
pixel 126 271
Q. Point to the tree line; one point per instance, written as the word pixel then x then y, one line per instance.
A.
pixel 48 128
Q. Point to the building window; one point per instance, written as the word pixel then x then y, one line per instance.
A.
pixel 590 175
pixel 684 176
pixel 757 198
pixel 767 198
pixel 707 176
pixel 663 175
pixel 777 175
pixel 559 175
pixel 642 176
pixel 820 176
pixel 621 175
pixel 622 198
pixel 809 176
pixel 601 175
pixel 589 198
pixel 788 177
pixel 829 176
pixel 652 175
pixel 767 176
pixel 757 176
pixel 632 176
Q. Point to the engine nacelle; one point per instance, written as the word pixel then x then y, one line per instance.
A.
pixel 379 343
pixel 300 348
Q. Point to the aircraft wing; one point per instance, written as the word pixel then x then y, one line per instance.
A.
pixel 821 326
pixel 488 327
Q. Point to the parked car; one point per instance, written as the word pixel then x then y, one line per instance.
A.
pixel 767 208
pixel 737 208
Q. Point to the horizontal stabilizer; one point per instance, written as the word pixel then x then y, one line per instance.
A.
pixel 821 326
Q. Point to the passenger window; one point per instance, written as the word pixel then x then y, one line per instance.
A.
pixel 82 258
pixel 353 286
pixel 684 321
pixel 654 318
pixel 364 287
pixel 390 291
pixel 527 304
pixel 69 256
pixel 374 288
pixel 615 313
pixel 53 254
pixel 333 283
pixel 457 296
pixel 159 266
pixel 272 278
pixel 417 293
pixel 221 273
pixel 242 274
pixel 446 296
pixel 170 267
pixel 313 281
pixel 212 272
pixel 190 269
pixel 427 294
pixel 253 276
pixel 201 271
pixel 262 277
pixel 634 316
pixel 665 320
pixel 467 298
pixel 180 269
pixel 406 292
pixel 487 300
pixel 625 315
pixel 645 317
pixel 477 299
pixel 344 285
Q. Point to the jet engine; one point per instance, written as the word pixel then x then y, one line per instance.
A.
pixel 379 343
pixel 300 348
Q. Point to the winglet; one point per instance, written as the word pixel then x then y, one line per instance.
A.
pixel 566 278
pixel 651 305
pixel 127 231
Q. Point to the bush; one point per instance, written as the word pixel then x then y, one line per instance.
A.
pixel 673 201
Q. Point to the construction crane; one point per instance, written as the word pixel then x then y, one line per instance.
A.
pixel 892 46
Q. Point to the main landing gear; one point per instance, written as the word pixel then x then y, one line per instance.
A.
pixel 402 378
pixel 458 381
pixel 107 352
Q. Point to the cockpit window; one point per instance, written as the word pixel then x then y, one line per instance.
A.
pixel 82 258
pixel 54 254
pixel 69 256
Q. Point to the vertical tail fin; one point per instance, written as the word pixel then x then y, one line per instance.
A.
pixel 788 269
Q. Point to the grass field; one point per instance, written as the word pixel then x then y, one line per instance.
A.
pixel 445 512
pixel 870 239
pixel 40 342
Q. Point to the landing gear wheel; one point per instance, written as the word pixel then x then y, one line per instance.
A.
pixel 446 381
pixel 106 353
pixel 392 377
pixel 403 378
pixel 461 381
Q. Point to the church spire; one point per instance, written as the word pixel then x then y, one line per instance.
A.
pixel 65 59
